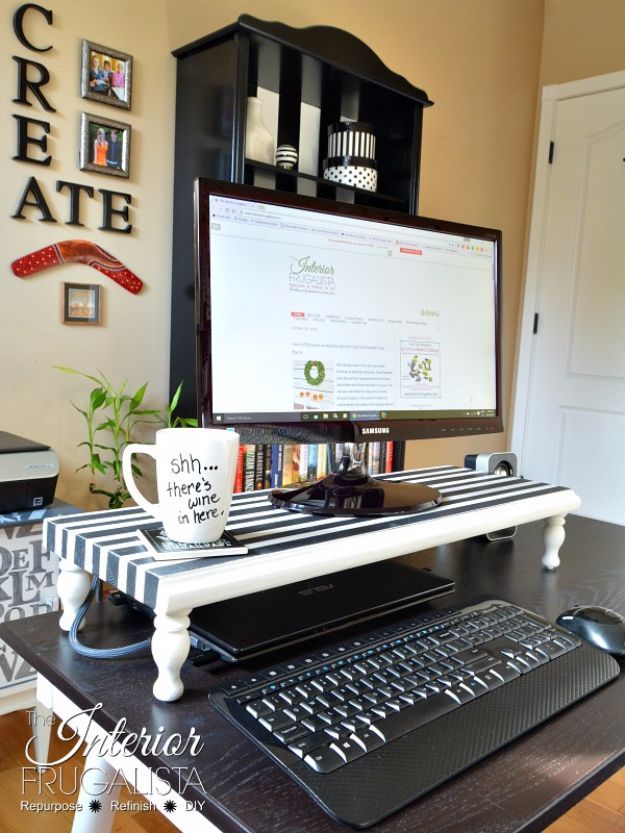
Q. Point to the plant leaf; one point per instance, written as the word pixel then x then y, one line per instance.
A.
pixel 108 424
pixel 138 397
pixel 95 491
pixel 107 384
pixel 97 398
pixel 77 373
pixel 174 400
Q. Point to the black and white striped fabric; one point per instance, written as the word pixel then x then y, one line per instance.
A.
pixel 107 542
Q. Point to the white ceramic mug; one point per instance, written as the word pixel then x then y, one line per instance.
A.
pixel 195 469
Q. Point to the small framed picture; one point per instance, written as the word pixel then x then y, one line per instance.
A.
pixel 105 75
pixel 104 145
pixel 81 303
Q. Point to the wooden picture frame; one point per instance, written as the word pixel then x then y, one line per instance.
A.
pixel 81 303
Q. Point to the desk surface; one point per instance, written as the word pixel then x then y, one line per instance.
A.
pixel 521 788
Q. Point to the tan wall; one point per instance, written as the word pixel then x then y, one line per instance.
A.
pixel 478 60
pixel 582 38
pixel 133 340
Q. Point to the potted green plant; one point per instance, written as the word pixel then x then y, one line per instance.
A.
pixel 112 416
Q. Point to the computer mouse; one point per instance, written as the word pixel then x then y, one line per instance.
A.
pixel 598 625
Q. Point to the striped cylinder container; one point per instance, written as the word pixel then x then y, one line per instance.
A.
pixel 351 155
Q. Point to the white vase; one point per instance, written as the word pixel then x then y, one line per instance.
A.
pixel 259 144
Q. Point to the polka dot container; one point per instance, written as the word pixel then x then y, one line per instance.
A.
pixel 351 155
pixel 350 170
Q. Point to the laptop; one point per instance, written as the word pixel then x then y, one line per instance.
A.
pixel 248 626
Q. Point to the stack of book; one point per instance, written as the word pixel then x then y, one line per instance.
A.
pixel 272 466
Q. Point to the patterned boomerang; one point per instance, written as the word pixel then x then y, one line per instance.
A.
pixel 77 251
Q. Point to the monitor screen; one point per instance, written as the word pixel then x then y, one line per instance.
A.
pixel 321 321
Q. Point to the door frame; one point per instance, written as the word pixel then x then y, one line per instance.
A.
pixel 551 95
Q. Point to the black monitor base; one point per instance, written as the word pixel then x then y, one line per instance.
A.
pixel 355 493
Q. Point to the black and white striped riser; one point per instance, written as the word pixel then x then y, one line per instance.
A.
pixel 286 546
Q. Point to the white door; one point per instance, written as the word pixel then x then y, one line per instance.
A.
pixel 569 423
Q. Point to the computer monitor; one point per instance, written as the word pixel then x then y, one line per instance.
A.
pixel 321 321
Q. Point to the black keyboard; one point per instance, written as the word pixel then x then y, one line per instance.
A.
pixel 372 723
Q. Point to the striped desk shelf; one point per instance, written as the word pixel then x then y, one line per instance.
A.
pixel 284 547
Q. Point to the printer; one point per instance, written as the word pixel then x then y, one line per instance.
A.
pixel 28 473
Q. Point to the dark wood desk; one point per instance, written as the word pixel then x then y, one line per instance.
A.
pixel 521 788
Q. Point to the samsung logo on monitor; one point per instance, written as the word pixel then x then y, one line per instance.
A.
pixel 375 430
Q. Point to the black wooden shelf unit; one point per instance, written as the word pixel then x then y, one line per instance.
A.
pixel 316 77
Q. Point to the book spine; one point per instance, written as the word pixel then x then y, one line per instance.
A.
pixel 268 463
pixel 322 461
pixel 338 456
pixel 238 477
pixel 366 457
pixel 313 453
pixel 297 450
pixel 248 467
pixel 259 467
pixel 287 465
pixel 375 458
pixel 277 461
pixel 303 463
pixel 382 460
pixel 390 449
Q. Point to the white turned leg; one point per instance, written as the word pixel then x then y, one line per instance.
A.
pixel 41 718
pixel 170 648
pixel 72 586
pixel 97 777
pixel 553 536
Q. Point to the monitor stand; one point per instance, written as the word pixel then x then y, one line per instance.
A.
pixel 350 490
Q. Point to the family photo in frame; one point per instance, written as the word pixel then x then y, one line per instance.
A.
pixel 105 75
pixel 104 145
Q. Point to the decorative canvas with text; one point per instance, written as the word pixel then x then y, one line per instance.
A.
pixel 28 574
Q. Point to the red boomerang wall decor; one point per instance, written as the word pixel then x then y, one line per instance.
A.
pixel 77 251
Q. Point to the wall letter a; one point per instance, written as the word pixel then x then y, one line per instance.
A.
pixel 38 201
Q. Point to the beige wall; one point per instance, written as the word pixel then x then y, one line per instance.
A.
pixel 133 341
pixel 479 60
pixel 582 39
